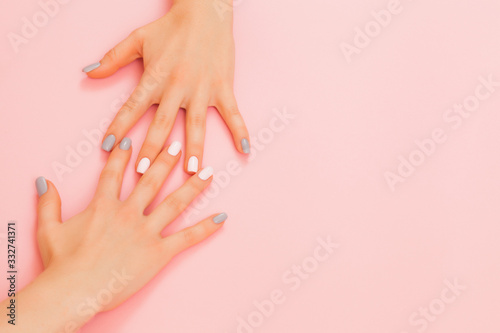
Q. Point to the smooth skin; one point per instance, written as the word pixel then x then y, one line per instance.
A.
pixel 188 57
pixel 99 258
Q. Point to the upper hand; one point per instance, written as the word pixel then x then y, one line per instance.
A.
pixel 188 63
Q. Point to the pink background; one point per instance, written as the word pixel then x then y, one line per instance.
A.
pixel 320 175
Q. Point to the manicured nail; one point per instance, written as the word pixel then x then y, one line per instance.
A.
pixel 108 143
pixel 220 218
pixel 193 164
pixel 125 144
pixel 143 165
pixel 174 148
pixel 245 146
pixel 41 186
pixel 206 173
pixel 91 67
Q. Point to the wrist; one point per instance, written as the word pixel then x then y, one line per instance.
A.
pixel 67 292
pixel 51 303
pixel 220 10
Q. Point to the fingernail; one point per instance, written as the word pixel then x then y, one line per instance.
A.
pixel 143 165
pixel 41 186
pixel 206 173
pixel 245 146
pixel 174 148
pixel 108 143
pixel 91 67
pixel 125 144
pixel 220 218
pixel 193 164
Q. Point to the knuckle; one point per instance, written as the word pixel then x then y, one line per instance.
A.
pixel 165 159
pixel 178 77
pixel 130 105
pixel 150 148
pixel 190 235
pixel 137 34
pixel 176 204
pixel 98 205
pixel 110 175
pixel 197 120
pixel 161 120
pixel 43 204
pixel 149 182
pixel 232 110
pixel 112 55
pixel 193 188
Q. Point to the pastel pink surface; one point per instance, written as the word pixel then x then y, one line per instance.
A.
pixel 319 175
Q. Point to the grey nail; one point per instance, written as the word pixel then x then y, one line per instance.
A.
pixel 245 146
pixel 220 218
pixel 91 67
pixel 125 144
pixel 108 143
pixel 41 186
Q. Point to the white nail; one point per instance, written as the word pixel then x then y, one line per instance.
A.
pixel 174 148
pixel 206 173
pixel 143 165
pixel 193 164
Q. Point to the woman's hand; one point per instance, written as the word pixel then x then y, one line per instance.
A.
pixel 100 257
pixel 188 63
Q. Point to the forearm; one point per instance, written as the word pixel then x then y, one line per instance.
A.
pixel 204 2
pixel 51 303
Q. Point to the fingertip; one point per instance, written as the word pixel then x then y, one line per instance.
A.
pixel 91 67
pixel 206 173
pixel 41 186
pixel 108 143
pixel 174 148
pixel 143 165
pixel 191 166
pixel 245 146
pixel 126 144
pixel 220 218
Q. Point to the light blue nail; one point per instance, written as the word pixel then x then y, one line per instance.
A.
pixel 91 67
pixel 245 146
pixel 41 186
pixel 125 144
pixel 220 218
pixel 108 143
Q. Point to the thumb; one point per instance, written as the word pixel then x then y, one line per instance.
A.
pixel 49 203
pixel 122 54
